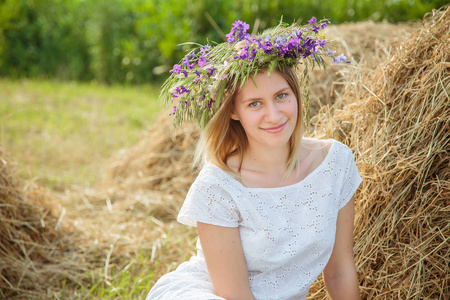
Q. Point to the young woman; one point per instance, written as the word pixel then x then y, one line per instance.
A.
pixel 273 210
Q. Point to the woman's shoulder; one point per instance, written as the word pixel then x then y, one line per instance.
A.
pixel 316 152
pixel 319 146
pixel 325 145
pixel 317 143
pixel 212 175
pixel 210 172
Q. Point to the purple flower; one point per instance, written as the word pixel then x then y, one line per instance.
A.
pixel 179 90
pixel 323 25
pixel 260 45
pixel 298 33
pixel 315 28
pixel 211 102
pixel 205 49
pixel 292 44
pixel 312 21
pixel 238 32
pixel 185 61
pixel 267 46
pixel 280 48
pixel 244 54
pixel 250 40
pixel 340 58
pixel 202 61
pixel 185 73
pixel 176 69
pixel 278 42
pixel 184 89
pixel 310 44
pixel 252 55
pixel 321 43
pixel 306 53
pixel 211 70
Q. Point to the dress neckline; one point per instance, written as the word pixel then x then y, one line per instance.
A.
pixel 308 177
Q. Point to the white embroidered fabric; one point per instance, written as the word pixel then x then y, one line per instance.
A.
pixel 287 233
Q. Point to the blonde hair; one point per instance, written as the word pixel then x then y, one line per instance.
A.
pixel 224 137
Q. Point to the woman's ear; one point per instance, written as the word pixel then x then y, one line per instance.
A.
pixel 234 116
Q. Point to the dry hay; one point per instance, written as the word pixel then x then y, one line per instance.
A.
pixel 34 246
pixel 158 168
pixel 397 122
pixel 120 237
pixel 365 44
pixel 47 251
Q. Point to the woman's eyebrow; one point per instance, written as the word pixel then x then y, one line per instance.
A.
pixel 282 90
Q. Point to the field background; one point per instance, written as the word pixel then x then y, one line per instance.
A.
pixel 62 133
pixel 79 88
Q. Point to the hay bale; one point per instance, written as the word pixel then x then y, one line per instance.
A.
pixel 397 122
pixel 34 246
pixel 366 44
pixel 160 164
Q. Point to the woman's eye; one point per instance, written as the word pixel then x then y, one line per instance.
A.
pixel 254 104
pixel 282 95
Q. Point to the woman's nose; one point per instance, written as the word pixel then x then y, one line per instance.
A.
pixel 273 113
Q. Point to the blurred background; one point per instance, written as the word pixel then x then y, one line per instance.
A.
pixel 137 41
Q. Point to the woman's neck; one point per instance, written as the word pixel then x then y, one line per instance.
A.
pixel 267 159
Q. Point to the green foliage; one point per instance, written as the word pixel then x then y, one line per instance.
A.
pixel 137 41
pixel 39 38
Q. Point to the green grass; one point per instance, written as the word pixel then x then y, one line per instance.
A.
pixel 62 134
pixel 133 282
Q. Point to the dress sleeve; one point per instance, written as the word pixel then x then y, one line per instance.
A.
pixel 209 202
pixel 349 178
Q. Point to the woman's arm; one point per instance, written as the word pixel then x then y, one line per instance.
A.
pixel 340 275
pixel 225 261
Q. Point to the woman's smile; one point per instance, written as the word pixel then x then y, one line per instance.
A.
pixel 275 129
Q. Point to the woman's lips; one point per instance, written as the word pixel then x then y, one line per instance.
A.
pixel 275 129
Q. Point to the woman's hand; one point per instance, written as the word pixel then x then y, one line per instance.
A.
pixel 340 275
pixel 225 261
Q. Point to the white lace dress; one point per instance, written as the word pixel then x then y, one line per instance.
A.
pixel 287 233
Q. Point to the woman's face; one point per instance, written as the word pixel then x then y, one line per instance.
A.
pixel 267 111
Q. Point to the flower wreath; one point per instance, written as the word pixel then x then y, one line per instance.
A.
pixel 196 85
